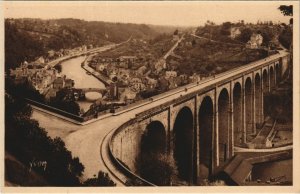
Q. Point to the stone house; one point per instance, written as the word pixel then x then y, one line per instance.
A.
pixel 58 83
pixel 234 32
pixel 170 74
pixel 255 41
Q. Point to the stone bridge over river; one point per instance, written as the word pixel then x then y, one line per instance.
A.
pixel 198 124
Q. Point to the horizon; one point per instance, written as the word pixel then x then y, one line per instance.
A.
pixel 184 14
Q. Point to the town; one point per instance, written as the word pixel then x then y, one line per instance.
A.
pixel 131 75
pixel 103 102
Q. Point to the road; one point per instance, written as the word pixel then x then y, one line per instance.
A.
pixel 90 51
pixel 201 37
pixel 173 48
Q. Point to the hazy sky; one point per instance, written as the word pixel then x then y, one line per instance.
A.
pixel 159 12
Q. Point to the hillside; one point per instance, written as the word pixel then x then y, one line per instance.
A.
pixel 204 57
pixel 26 39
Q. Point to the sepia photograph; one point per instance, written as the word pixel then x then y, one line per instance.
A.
pixel 192 95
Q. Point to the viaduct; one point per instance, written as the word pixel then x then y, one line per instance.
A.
pixel 201 123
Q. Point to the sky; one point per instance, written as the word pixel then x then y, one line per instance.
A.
pixel 180 13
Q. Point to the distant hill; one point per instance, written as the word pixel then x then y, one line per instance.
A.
pixel 166 29
pixel 26 39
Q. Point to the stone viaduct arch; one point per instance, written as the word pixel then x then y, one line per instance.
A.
pixel 248 107
pixel 183 143
pixel 223 125
pixel 272 78
pixel 154 139
pixel 258 99
pixel 265 79
pixel 153 146
pixel 238 114
pixel 278 72
pixel 205 120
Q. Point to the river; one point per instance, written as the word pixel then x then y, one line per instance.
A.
pixel 72 69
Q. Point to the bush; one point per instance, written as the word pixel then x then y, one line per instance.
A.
pixel 23 90
pixel 245 35
pixel 206 182
pixel 58 67
pixel 286 37
pixel 30 144
pixel 158 169
pixel 102 180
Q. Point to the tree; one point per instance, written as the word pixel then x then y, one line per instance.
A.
pixel 267 35
pixel 159 169
pixel 286 10
pixel 29 143
pixel 245 35
pixel 225 30
pixel 58 67
pixel 102 180
pixel 19 46
pixel 23 90
pixel 194 42
pixel 285 37
pixel 61 101
pixel 226 25
pixel 176 32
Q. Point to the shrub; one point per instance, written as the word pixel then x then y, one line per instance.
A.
pixel 30 144
pixel 102 180
pixel 159 169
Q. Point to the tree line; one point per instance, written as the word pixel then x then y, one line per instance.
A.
pixel 30 144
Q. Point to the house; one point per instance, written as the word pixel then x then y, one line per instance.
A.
pixel 127 58
pixel 101 67
pixel 234 32
pixel 151 83
pixel 123 64
pixel 236 171
pixel 114 91
pixel 51 53
pixel 58 83
pixel 69 83
pixel 255 41
pixel 18 72
pixel 160 65
pixel 113 76
pixel 172 83
pixel 142 70
pixel 51 93
pixel 184 79
pixel 170 74
pixel 84 47
pixel 128 96
pixel 194 78
pixel 176 37
pixel 123 73
pixel 163 84
pixel 136 84
pixel 40 60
